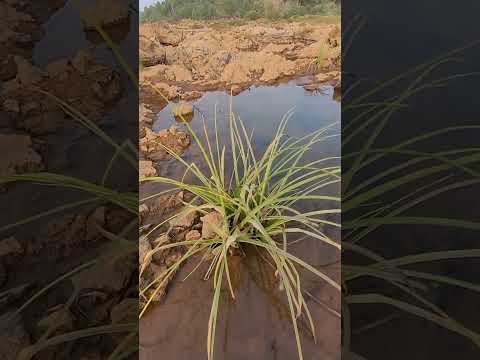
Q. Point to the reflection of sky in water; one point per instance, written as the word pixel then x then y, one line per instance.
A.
pixel 262 109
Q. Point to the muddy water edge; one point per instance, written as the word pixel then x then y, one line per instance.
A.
pixel 256 325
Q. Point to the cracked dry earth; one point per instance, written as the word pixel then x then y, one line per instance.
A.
pixel 185 58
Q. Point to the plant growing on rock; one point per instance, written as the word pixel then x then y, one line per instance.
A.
pixel 254 206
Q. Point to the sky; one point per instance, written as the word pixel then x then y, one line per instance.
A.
pixel 144 3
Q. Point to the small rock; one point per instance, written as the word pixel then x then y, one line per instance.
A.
pixel 212 223
pixel 10 246
pixel 193 235
pixel 147 169
pixel 185 220
pixel 182 109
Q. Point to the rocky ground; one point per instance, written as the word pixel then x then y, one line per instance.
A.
pixel 184 59
pixel 181 61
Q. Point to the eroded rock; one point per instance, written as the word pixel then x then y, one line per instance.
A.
pixel 184 220
pixel 152 145
pixel 197 56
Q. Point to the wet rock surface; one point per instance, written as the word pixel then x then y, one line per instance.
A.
pixel 33 99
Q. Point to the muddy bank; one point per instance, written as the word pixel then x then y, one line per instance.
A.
pixel 186 58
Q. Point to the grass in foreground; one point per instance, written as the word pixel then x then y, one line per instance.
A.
pixel 257 205
pixel 365 208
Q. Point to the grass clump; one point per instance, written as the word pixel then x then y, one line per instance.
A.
pixel 257 208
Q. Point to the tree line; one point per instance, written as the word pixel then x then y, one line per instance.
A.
pixel 250 9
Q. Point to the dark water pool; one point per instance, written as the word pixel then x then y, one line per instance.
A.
pixel 256 325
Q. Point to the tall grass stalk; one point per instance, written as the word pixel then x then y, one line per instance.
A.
pixel 364 209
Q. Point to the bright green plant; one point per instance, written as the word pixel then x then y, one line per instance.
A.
pixel 257 203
